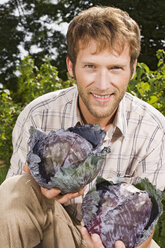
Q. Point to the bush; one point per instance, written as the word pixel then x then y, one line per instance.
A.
pixel 34 82
pixel 159 235
pixel 150 85
pixel 8 115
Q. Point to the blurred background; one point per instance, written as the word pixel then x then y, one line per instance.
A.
pixel 33 51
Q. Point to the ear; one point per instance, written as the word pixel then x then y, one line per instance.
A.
pixel 134 68
pixel 69 66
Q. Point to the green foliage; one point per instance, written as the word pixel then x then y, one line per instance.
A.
pixel 150 85
pixel 8 114
pixel 34 81
pixel 159 235
pixel 32 25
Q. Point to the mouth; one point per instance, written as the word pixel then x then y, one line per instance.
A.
pixel 102 97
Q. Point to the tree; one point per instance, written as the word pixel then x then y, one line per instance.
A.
pixel 149 14
pixel 32 26
pixel 29 26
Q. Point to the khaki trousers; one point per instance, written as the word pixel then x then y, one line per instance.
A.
pixel 27 218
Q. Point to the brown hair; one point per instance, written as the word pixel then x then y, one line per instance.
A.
pixel 108 26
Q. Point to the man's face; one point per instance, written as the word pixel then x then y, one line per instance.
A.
pixel 102 79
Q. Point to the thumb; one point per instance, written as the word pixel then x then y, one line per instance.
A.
pixel 26 168
pixel 119 244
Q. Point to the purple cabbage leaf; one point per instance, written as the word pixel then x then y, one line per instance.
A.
pixel 117 210
pixel 67 159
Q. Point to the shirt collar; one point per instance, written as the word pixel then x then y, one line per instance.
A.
pixel 120 118
pixel 119 125
pixel 77 115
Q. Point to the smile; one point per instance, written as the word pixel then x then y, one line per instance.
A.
pixel 102 98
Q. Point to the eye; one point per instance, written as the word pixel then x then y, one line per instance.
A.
pixel 90 66
pixel 116 68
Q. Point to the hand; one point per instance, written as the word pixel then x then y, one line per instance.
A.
pixel 54 193
pixel 94 241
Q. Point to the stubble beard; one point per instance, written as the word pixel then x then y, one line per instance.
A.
pixel 110 107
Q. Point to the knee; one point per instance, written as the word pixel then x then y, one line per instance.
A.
pixel 18 191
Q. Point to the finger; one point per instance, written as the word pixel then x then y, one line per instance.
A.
pixel 76 194
pixel 26 168
pixel 97 241
pixel 81 192
pixel 82 223
pixel 50 193
pixel 87 237
pixel 67 197
pixel 119 244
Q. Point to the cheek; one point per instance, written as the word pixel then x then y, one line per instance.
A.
pixel 82 79
pixel 121 82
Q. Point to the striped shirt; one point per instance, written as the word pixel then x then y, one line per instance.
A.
pixel 136 136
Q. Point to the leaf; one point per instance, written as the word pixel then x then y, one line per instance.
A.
pixel 67 159
pixel 119 211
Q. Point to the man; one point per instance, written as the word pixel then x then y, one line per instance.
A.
pixel 103 47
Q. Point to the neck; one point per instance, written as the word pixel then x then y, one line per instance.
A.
pixel 103 122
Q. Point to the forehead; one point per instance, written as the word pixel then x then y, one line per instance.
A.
pixel 92 49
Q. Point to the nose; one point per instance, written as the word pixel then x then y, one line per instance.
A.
pixel 102 79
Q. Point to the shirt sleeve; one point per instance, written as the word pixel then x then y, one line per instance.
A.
pixel 152 166
pixel 20 137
